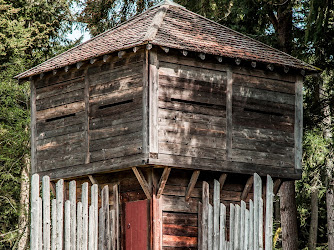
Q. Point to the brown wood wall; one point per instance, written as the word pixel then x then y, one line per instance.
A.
pixel 90 117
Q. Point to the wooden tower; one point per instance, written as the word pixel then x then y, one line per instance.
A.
pixel 159 104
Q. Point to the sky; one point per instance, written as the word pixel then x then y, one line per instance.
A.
pixel 76 32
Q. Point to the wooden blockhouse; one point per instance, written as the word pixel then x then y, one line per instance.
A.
pixel 161 103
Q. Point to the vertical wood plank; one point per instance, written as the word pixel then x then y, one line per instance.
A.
pixel 33 156
pixel 67 225
pixel 257 196
pixel 101 229
pixel 86 124
pixel 79 225
pixel 105 207
pixel 95 204
pixel 112 227
pixel 34 241
pixel 199 219
pixel 205 214
pixel 53 224
pixel 298 122
pixel 60 213
pixel 210 228
pixel 153 101
pixel 40 222
pixel 242 224
pixel 145 105
pixel 269 213
pixel 232 225
pixel 261 224
pixel 216 212
pixel 91 237
pixel 46 213
pixel 84 200
pixel 157 224
pixel 117 220
pixel 251 226
pixel 229 127
pixel 222 220
pixel 73 223
pixel 237 227
pixel 246 230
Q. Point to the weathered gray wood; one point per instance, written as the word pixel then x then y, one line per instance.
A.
pixel 116 200
pixel 86 123
pixel 145 109
pixel 113 235
pixel 84 200
pixel 246 229
pixel 54 224
pixel 205 214
pixel 257 197
pixel 269 214
pixel 33 159
pixel 46 213
pixel 79 226
pixel 95 204
pixel 222 180
pixel 216 212
pixel 222 225
pixel 229 125
pixel 179 204
pixel 298 122
pixel 261 224
pixel 247 188
pixel 242 224
pixel 163 180
pixel 192 184
pixel 40 224
pixel 60 213
pixel 67 225
pixel 232 225
pixel 251 226
pixel 153 101
pixel 92 228
pixel 101 229
pixel 60 111
pixel 210 228
pixel 73 199
pixel 199 224
pixel 237 227
pixel 105 209
pixel 142 181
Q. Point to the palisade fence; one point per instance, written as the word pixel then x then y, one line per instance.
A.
pixel 71 224
pixel 245 225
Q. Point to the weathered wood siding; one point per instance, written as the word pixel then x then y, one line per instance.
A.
pixel 192 114
pixel 90 119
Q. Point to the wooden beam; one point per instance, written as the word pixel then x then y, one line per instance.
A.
pixel 222 180
pixel 298 128
pixel 229 93
pixel 163 180
pixel 277 185
pixel 105 58
pixel 92 179
pixel 143 183
pixel 92 60
pixel 79 64
pixel 121 54
pixel 166 49
pixel 135 49
pixel 247 188
pixel 192 183
pixel 53 188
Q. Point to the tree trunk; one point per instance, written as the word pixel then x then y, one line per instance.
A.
pixel 330 215
pixel 312 242
pixel 24 206
pixel 288 216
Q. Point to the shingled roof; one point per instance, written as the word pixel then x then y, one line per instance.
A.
pixel 171 25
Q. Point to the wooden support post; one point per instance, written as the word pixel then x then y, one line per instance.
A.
pixel 298 131
pixel 222 180
pixel 247 188
pixel 163 181
pixel 192 184
pixel 277 185
pixel 143 183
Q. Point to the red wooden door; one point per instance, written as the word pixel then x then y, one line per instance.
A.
pixel 136 225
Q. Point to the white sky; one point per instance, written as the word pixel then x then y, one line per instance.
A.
pixel 77 32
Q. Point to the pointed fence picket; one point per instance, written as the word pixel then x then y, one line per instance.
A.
pixel 246 225
pixel 68 224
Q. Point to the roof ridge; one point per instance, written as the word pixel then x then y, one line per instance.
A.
pixel 253 39
pixel 156 22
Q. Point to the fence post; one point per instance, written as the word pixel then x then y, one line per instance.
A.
pixel 222 220
pixel 46 213
pixel 54 224
pixel 84 201
pixel 216 210
pixel 246 228
pixel 242 224
pixel 257 197
pixel 91 238
pixel 269 213
pixel 68 225
pixel 210 227
pixel 73 225
pixel 251 226
pixel 40 221
pixel 237 227
pixel 95 204
pixel 34 212
pixel 205 213
pixel 232 225
pixel 79 226
pixel 105 209
pixel 60 213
